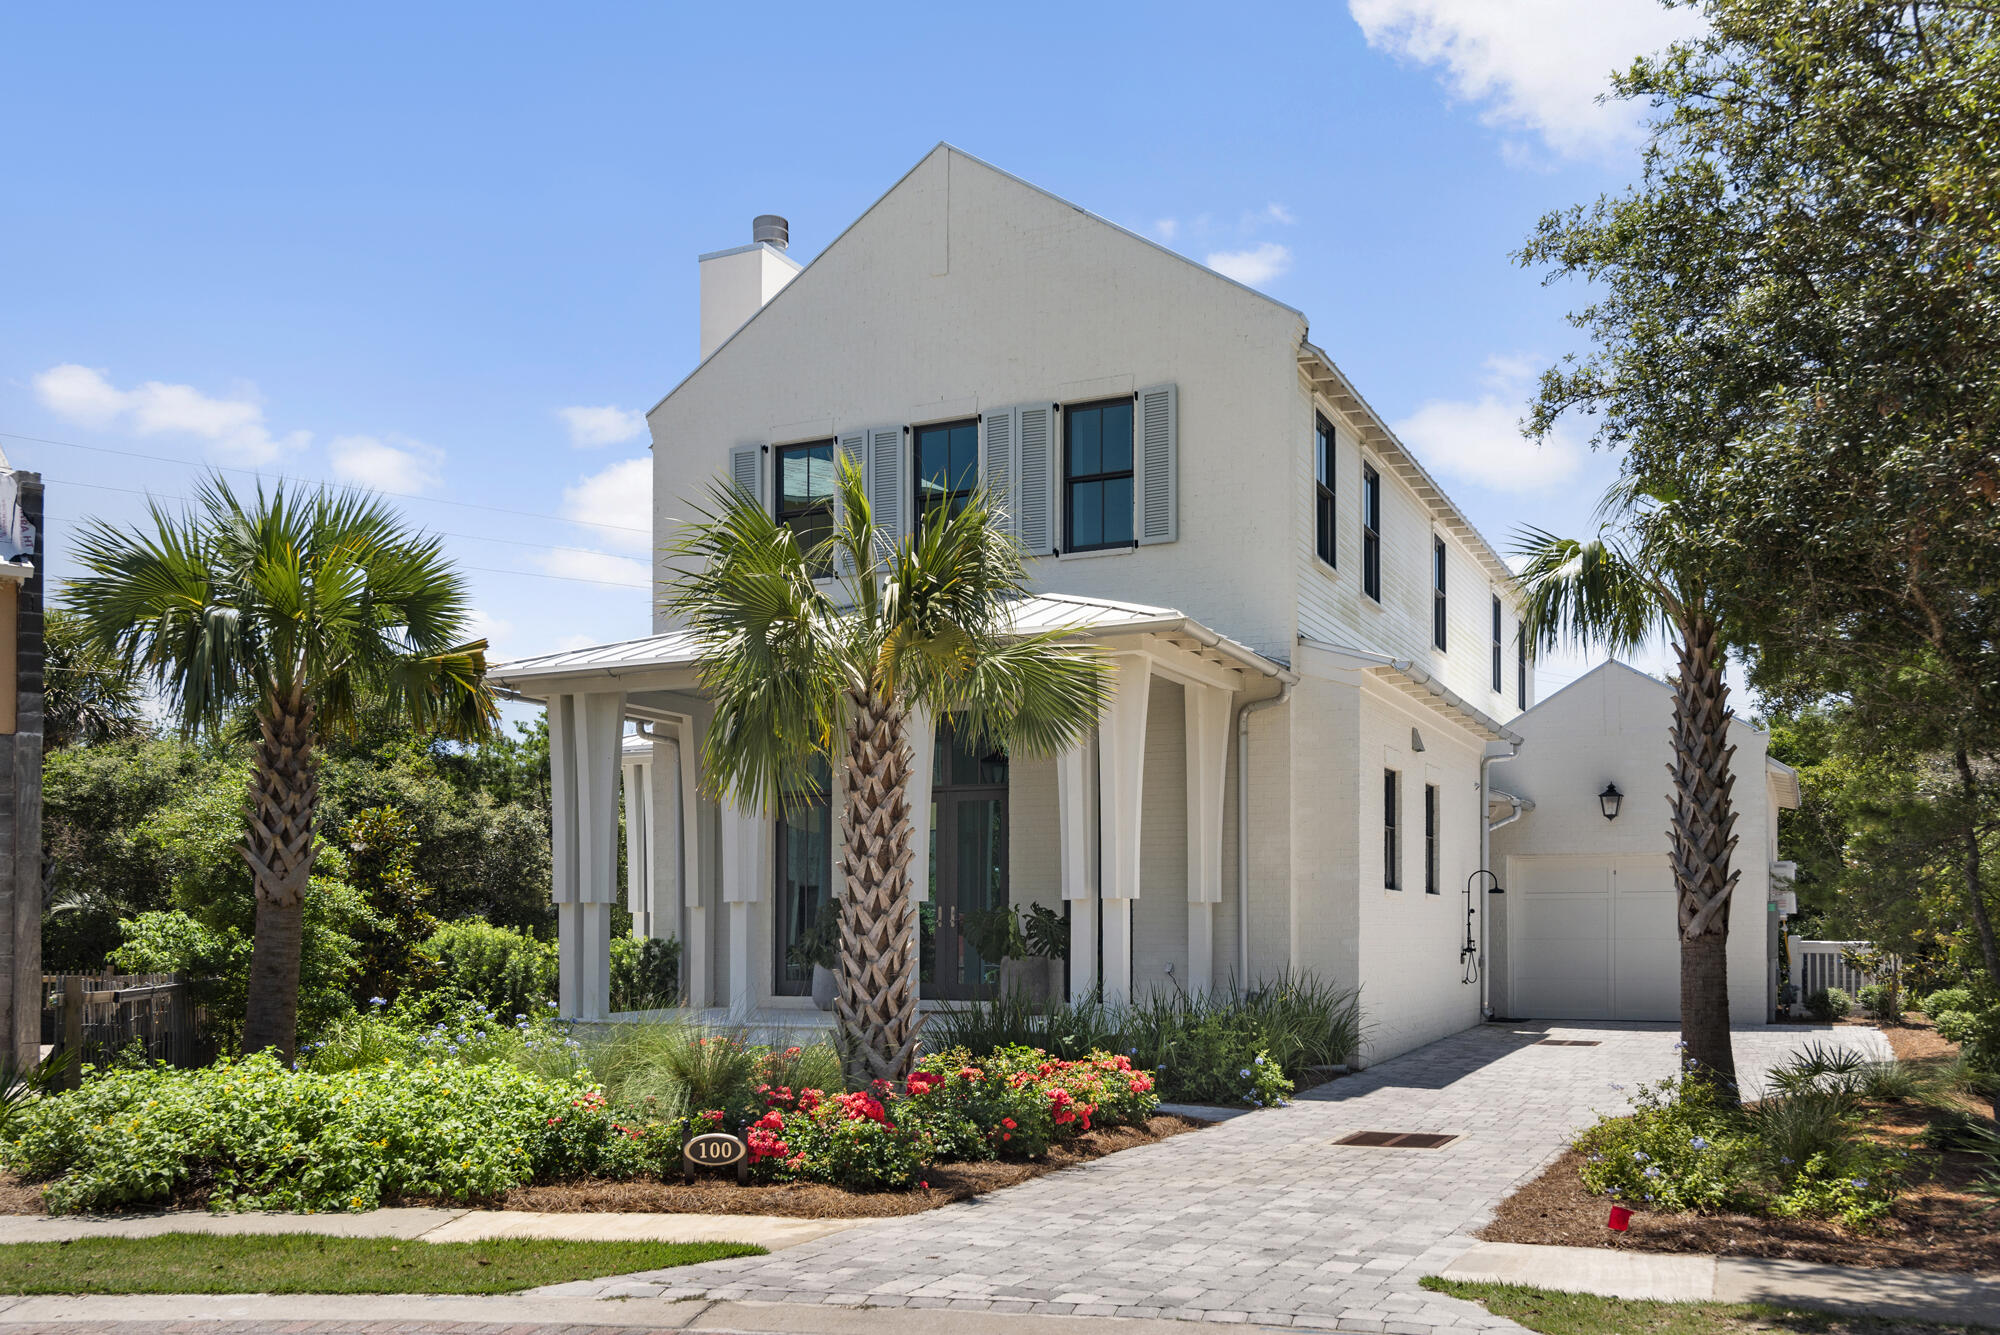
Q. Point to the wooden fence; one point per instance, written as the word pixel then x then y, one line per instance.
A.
pixel 100 1016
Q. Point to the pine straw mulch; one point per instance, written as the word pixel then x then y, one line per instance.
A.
pixel 796 1200
pixel 1937 1224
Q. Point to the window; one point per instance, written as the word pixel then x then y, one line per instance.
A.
pixel 1521 668
pixel 1430 839
pixel 947 467
pixel 1323 517
pixel 1097 476
pixel 1437 591
pixel 1371 532
pixel 804 874
pixel 1498 684
pixel 805 497
pixel 1392 846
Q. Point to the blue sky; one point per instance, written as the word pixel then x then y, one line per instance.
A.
pixel 449 250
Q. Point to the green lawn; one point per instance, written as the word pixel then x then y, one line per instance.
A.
pixel 1581 1314
pixel 309 1263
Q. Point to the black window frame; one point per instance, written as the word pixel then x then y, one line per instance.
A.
pixel 1520 667
pixel 1440 612
pixel 1069 413
pixel 956 497
pixel 1326 492
pixel 1499 639
pixel 1431 840
pixel 824 569
pixel 1371 532
pixel 1392 835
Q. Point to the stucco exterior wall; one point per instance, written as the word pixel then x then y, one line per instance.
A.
pixel 965 290
pixel 1611 726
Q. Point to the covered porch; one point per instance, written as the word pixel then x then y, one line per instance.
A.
pixel 738 888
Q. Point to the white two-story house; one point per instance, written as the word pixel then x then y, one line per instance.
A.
pixel 1316 653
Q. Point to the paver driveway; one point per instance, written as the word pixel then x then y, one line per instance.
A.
pixel 1262 1218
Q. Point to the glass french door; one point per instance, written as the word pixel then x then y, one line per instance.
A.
pixel 804 875
pixel 968 871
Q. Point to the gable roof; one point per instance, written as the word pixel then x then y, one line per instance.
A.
pixel 943 146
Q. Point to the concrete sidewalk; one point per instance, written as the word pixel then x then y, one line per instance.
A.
pixel 772 1232
pixel 1928 1295
pixel 349 1314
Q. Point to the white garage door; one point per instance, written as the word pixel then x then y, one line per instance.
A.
pixel 1592 939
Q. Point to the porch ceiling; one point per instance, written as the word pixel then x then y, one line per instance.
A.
pixel 1091 619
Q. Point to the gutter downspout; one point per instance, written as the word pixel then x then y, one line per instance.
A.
pixel 1243 712
pixel 1487 825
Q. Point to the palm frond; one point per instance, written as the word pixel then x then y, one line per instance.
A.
pixel 1584 592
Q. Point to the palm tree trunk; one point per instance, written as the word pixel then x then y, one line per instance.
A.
pixel 877 1002
pixel 279 846
pixel 1975 886
pixel 1703 823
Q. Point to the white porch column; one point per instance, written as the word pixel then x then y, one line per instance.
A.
pixel 746 870
pixel 1207 713
pixel 639 879
pixel 1076 813
pixel 694 944
pixel 1121 773
pixel 584 748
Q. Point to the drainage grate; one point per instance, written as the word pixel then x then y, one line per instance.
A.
pixel 1569 1043
pixel 1397 1140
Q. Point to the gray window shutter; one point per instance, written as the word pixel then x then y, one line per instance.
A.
pixel 853 450
pixel 746 470
pixel 1035 477
pixel 1156 461
pixel 888 480
pixel 996 466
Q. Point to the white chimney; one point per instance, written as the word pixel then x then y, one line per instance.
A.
pixel 736 283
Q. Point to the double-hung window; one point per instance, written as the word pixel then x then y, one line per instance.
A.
pixel 805 498
pixel 1392 843
pixel 1498 684
pixel 1431 839
pixel 1437 592
pixel 1371 532
pixel 947 467
pixel 1324 530
pixel 1097 476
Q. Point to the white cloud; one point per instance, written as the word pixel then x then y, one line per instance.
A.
pixel 601 566
pixel 233 427
pixel 406 466
pixel 1258 264
pixel 1480 439
pixel 592 427
pixel 1533 66
pixel 1278 213
pixel 617 503
pixel 1167 227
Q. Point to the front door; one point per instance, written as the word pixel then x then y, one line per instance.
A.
pixel 963 921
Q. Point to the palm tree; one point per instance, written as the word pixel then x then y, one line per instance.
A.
pixel 1616 591
pixel 799 674
pixel 309 611
pixel 88 698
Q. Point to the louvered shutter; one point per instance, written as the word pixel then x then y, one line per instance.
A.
pixel 996 466
pixel 746 470
pixel 888 485
pixel 853 450
pixel 1156 462
pixel 1035 477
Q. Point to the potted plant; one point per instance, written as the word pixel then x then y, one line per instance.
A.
pixel 1029 945
pixel 817 948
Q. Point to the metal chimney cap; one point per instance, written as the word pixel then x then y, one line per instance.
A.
pixel 769 227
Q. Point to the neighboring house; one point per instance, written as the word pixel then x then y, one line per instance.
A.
pixel 1587 929
pixel 21 761
pixel 1315 650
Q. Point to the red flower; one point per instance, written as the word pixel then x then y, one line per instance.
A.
pixel 1008 1122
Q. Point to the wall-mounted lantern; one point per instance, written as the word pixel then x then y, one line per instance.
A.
pixel 1609 800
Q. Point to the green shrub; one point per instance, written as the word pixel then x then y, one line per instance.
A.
pixel 1791 1128
pixel 1883 1002
pixel 645 975
pixel 1827 1004
pixel 1821 1066
pixel 847 1140
pixel 1894 1082
pixel 1681 1148
pixel 677 1069
pixel 506 971
pixel 1947 999
pixel 1954 1026
pixel 254 1135
pixel 1857 1185
pixel 463 1033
